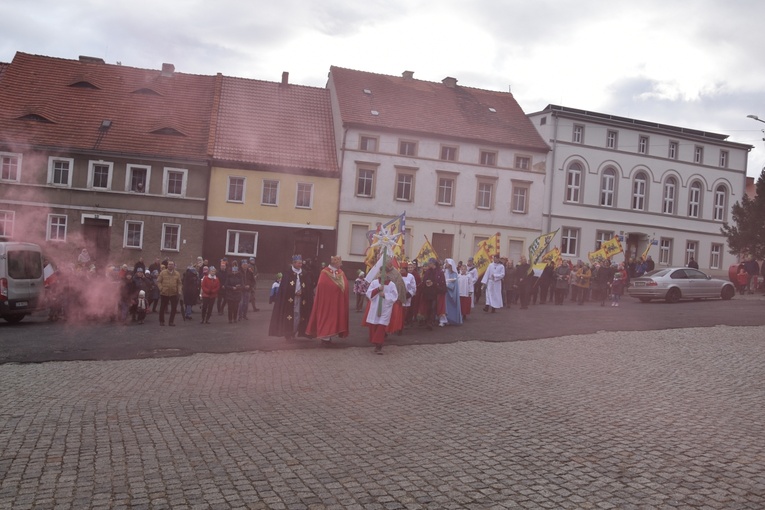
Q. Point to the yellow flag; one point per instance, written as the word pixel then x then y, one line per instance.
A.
pixel 490 245
pixel 599 256
pixel 481 261
pixel 426 253
pixel 539 245
pixel 551 256
pixel 612 247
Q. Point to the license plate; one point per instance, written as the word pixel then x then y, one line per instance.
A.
pixel 19 304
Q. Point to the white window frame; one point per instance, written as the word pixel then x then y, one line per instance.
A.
pixel 165 226
pixel 667 201
pixel 698 154
pixel 299 192
pixel 520 199
pixel 672 151
pixel 640 191
pixel 715 256
pixel 7 221
pixel 7 160
pixel 92 164
pixel 404 191
pixel 166 181
pixel 448 150
pixel 721 200
pixel 125 237
pixel 52 160
pixel 577 135
pixel 228 188
pixel 407 143
pixel 694 199
pixel 691 247
pixel 481 193
pixel 574 176
pixel 569 236
pixel 608 194
pixel 665 251
pixel 369 176
pixel 129 178
pixel 724 159
pixel 601 236
pixel 263 192
pixel 443 180
pixel 236 239
pixel 643 142
pixel 364 143
pixel 612 139
pixel 488 157
pixel 59 237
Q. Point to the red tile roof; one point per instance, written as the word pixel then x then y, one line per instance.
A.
pixel 71 98
pixel 273 124
pixel 431 108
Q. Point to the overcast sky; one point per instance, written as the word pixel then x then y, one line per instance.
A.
pixel 698 64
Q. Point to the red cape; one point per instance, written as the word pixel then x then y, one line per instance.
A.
pixel 329 316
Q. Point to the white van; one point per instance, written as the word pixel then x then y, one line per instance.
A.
pixel 21 280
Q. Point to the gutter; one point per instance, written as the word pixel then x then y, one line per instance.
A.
pixel 552 174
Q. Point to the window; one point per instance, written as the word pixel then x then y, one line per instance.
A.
pixel 304 197
pixel 404 185
pixel 138 178
pixel 721 198
pixel 407 148
pixel 60 171
pixel 241 242
pixel 522 162
pixel 665 251
pixel 100 175
pixel 639 191
pixel 642 145
pixel 690 251
pixel 270 193
pixel 668 198
pixel 445 194
pixel 6 223
pixel 672 150
pixel 368 143
pixel 448 153
pixel 56 227
pixel 9 167
pixel 359 241
pixel 573 182
pixel 485 195
pixel 607 187
pixel 171 237
pixel 133 234
pixel 520 202
pixel 698 155
pixel 365 182
pixel 601 236
pixel 236 189
pixel 488 158
pixel 694 200
pixel 723 159
pixel 175 182
pixel 715 257
pixel 612 138
pixel 569 241
pixel 578 136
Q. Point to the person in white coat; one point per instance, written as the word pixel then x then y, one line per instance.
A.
pixel 492 284
pixel 377 323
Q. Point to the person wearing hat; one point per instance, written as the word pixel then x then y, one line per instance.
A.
pixel 294 302
pixel 141 306
pixel 141 284
pixel 329 315
pixel 360 287
pixel 210 290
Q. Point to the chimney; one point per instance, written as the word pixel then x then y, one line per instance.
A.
pixel 450 82
pixel 168 69
pixel 91 60
pixel 285 78
pixel 408 75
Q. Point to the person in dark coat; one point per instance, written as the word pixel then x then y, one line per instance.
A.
pixel 294 302
pixel 190 290
pixel 233 285
pixel 546 280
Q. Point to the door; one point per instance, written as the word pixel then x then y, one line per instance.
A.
pixel 307 244
pixel 97 236
pixel 443 244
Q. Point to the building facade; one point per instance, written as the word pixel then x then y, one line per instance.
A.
pixel 652 184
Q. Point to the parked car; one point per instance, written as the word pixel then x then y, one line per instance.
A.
pixel 676 283
pixel 21 280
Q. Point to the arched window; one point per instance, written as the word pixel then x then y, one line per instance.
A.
pixel 721 199
pixel 608 188
pixel 639 191
pixel 668 199
pixel 574 183
pixel 694 200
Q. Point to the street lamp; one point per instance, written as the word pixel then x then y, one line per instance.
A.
pixel 755 117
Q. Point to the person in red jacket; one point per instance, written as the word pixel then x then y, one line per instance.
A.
pixel 210 289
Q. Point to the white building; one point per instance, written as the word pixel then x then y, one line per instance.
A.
pixel 612 175
pixel 463 163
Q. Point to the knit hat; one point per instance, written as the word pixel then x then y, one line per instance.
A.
pixel 139 270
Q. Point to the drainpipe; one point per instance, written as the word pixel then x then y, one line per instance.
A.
pixel 340 188
pixel 552 174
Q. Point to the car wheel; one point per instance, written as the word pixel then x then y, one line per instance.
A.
pixel 13 319
pixel 673 295
pixel 727 292
pixel 645 299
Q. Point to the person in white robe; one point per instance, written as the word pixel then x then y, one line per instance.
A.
pixel 377 323
pixel 492 284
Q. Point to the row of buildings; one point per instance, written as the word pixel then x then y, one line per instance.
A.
pixel 155 163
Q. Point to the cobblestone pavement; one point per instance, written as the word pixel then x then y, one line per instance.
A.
pixel 611 420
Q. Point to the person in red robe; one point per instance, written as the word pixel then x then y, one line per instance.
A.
pixel 329 316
